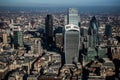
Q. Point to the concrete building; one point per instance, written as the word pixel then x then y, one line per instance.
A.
pixel 5 38
pixel 59 40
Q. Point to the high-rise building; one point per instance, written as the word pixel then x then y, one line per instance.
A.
pixel 18 38
pixel 72 16
pixel 100 35
pixel 5 38
pixel 84 31
pixel 93 32
pixel 37 47
pixel 93 39
pixel 49 29
pixel 108 30
pixel 65 20
pixel 71 43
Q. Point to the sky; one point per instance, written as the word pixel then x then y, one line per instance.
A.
pixel 59 2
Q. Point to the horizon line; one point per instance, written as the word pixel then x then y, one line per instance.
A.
pixel 53 5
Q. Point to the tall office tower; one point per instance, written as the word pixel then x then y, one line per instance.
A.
pixel 18 38
pixel 37 47
pixel 72 16
pixel 93 32
pixel 5 38
pixel 49 29
pixel 100 35
pixel 65 20
pixel 108 30
pixel 71 43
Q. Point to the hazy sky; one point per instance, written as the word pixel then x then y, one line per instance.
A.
pixel 59 2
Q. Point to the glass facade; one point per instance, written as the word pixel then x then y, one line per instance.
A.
pixel 93 32
pixel 73 16
pixel 49 29
pixel 18 39
pixel 108 30
pixel 71 45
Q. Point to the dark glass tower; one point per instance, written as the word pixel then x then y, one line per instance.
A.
pixel 49 29
pixel 18 38
pixel 108 30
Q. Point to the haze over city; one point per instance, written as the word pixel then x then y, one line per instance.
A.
pixel 59 3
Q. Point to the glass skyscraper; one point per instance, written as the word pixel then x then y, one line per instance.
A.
pixel 93 32
pixel 71 43
pixel 73 17
pixel 93 39
pixel 18 38
pixel 108 30
pixel 49 29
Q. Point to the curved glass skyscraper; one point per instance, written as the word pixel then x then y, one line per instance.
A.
pixel 93 32
pixel 71 43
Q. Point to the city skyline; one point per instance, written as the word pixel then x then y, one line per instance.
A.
pixel 59 39
pixel 34 3
pixel 47 43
